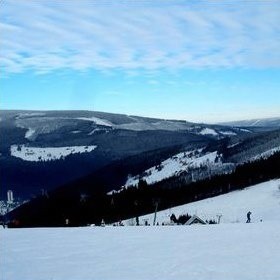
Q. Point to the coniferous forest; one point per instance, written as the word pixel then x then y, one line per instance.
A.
pixel 90 206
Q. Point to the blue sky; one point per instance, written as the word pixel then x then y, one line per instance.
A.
pixel 196 60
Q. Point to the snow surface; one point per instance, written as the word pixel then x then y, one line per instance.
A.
pixel 208 131
pixel 24 115
pixel 47 153
pixel 263 200
pixel 29 133
pixel 255 122
pixel 205 252
pixel 174 166
pixel 158 125
pixel 233 145
pixel 210 252
pixel 245 130
pixel 97 121
pixel 229 133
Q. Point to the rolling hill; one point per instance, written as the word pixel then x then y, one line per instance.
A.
pixel 46 149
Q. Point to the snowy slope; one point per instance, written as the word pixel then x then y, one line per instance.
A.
pixel 228 133
pixel 263 200
pixel 266 154
pixel 140 125
pixel 208 131
pixel 272 122
pixel 97 121
pixel 217 252
pixel 47 153
pixel 175 165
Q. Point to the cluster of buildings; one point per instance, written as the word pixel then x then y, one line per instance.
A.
pixel 9 204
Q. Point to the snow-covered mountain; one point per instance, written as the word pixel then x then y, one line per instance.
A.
pixel 39 144
pixel 44 127
pixel 267 122
pixel 197 164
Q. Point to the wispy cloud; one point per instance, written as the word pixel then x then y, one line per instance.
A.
pixel 43 36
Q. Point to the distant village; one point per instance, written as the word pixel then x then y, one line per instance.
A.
pixel 10 203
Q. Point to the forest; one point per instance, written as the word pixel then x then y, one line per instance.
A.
pixel 81 207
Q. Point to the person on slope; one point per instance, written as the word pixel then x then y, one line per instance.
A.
pixel 249 217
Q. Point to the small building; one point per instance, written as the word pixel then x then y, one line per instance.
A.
pixel 195 220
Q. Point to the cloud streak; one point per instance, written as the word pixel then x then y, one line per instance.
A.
pixel 44 36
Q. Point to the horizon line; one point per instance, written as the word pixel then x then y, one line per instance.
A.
pixel 145 116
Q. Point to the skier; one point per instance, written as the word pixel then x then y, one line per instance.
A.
pixel 249 217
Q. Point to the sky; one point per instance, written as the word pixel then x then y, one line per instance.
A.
pixel 206 61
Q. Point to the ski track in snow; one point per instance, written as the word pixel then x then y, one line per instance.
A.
pixel 47 153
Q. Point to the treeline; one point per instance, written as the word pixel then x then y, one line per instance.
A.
pixel 252 146
pixel 76 208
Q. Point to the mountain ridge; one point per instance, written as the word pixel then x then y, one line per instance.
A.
pixel 272 122
pixel 38 144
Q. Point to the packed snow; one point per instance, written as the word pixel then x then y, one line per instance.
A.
pixel 48 153
pixel 263 200
pixel 218 252
pixel 230 250
pixel 208 131
pixel 175 165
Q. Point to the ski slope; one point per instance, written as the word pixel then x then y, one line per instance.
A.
pixel 175 165
pixel 263 200
pixel 97 121
pixel 217 252
pixel 230 250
